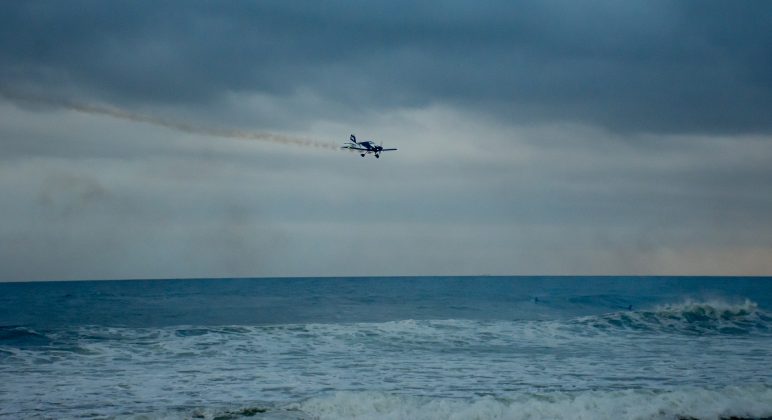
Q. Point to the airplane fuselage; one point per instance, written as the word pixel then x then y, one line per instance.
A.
pixel 365 147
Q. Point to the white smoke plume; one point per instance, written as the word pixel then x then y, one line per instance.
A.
pixel 166 123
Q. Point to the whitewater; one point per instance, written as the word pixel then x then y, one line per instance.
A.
pixel 388 348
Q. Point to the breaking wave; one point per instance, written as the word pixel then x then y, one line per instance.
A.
pixel 748 402
pixel 731 402
pixel 20 336
pixel 689 317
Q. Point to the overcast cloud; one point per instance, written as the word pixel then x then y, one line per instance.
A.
pixel 544 137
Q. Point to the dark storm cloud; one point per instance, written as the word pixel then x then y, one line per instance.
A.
pixel 683 66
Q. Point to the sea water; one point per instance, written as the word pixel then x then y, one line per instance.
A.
pixel 388 348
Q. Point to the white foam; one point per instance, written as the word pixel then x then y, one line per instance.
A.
pixel 714 308
pixel 440 363
pixel 689 318
pixel 749 401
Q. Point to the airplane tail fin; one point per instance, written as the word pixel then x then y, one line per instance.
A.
pixel 353 138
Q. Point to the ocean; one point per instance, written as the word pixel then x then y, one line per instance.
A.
pixel 388 348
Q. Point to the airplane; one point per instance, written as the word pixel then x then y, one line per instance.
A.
pixel 366 147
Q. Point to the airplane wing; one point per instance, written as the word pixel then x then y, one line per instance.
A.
pixel 387 150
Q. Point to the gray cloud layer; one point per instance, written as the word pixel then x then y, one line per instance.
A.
pixel 548 137
pixel 654 66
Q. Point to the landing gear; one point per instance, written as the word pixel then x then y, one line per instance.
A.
pixel 377 156
pixel 363 155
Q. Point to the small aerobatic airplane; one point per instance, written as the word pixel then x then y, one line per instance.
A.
pixel 365 147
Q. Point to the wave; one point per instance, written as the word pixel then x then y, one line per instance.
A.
pixel 603 366
pixel 730 402
pixel 685 318
pixel 737 403
pixel 688 317
pixel 19 336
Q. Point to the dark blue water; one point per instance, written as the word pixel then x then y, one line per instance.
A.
pixel 408 347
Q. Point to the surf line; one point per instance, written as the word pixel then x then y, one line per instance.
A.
pixel 170 124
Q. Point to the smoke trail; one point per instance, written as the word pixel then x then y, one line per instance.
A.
pixel 173 125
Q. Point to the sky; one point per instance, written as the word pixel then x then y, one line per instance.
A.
pixel 176 139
